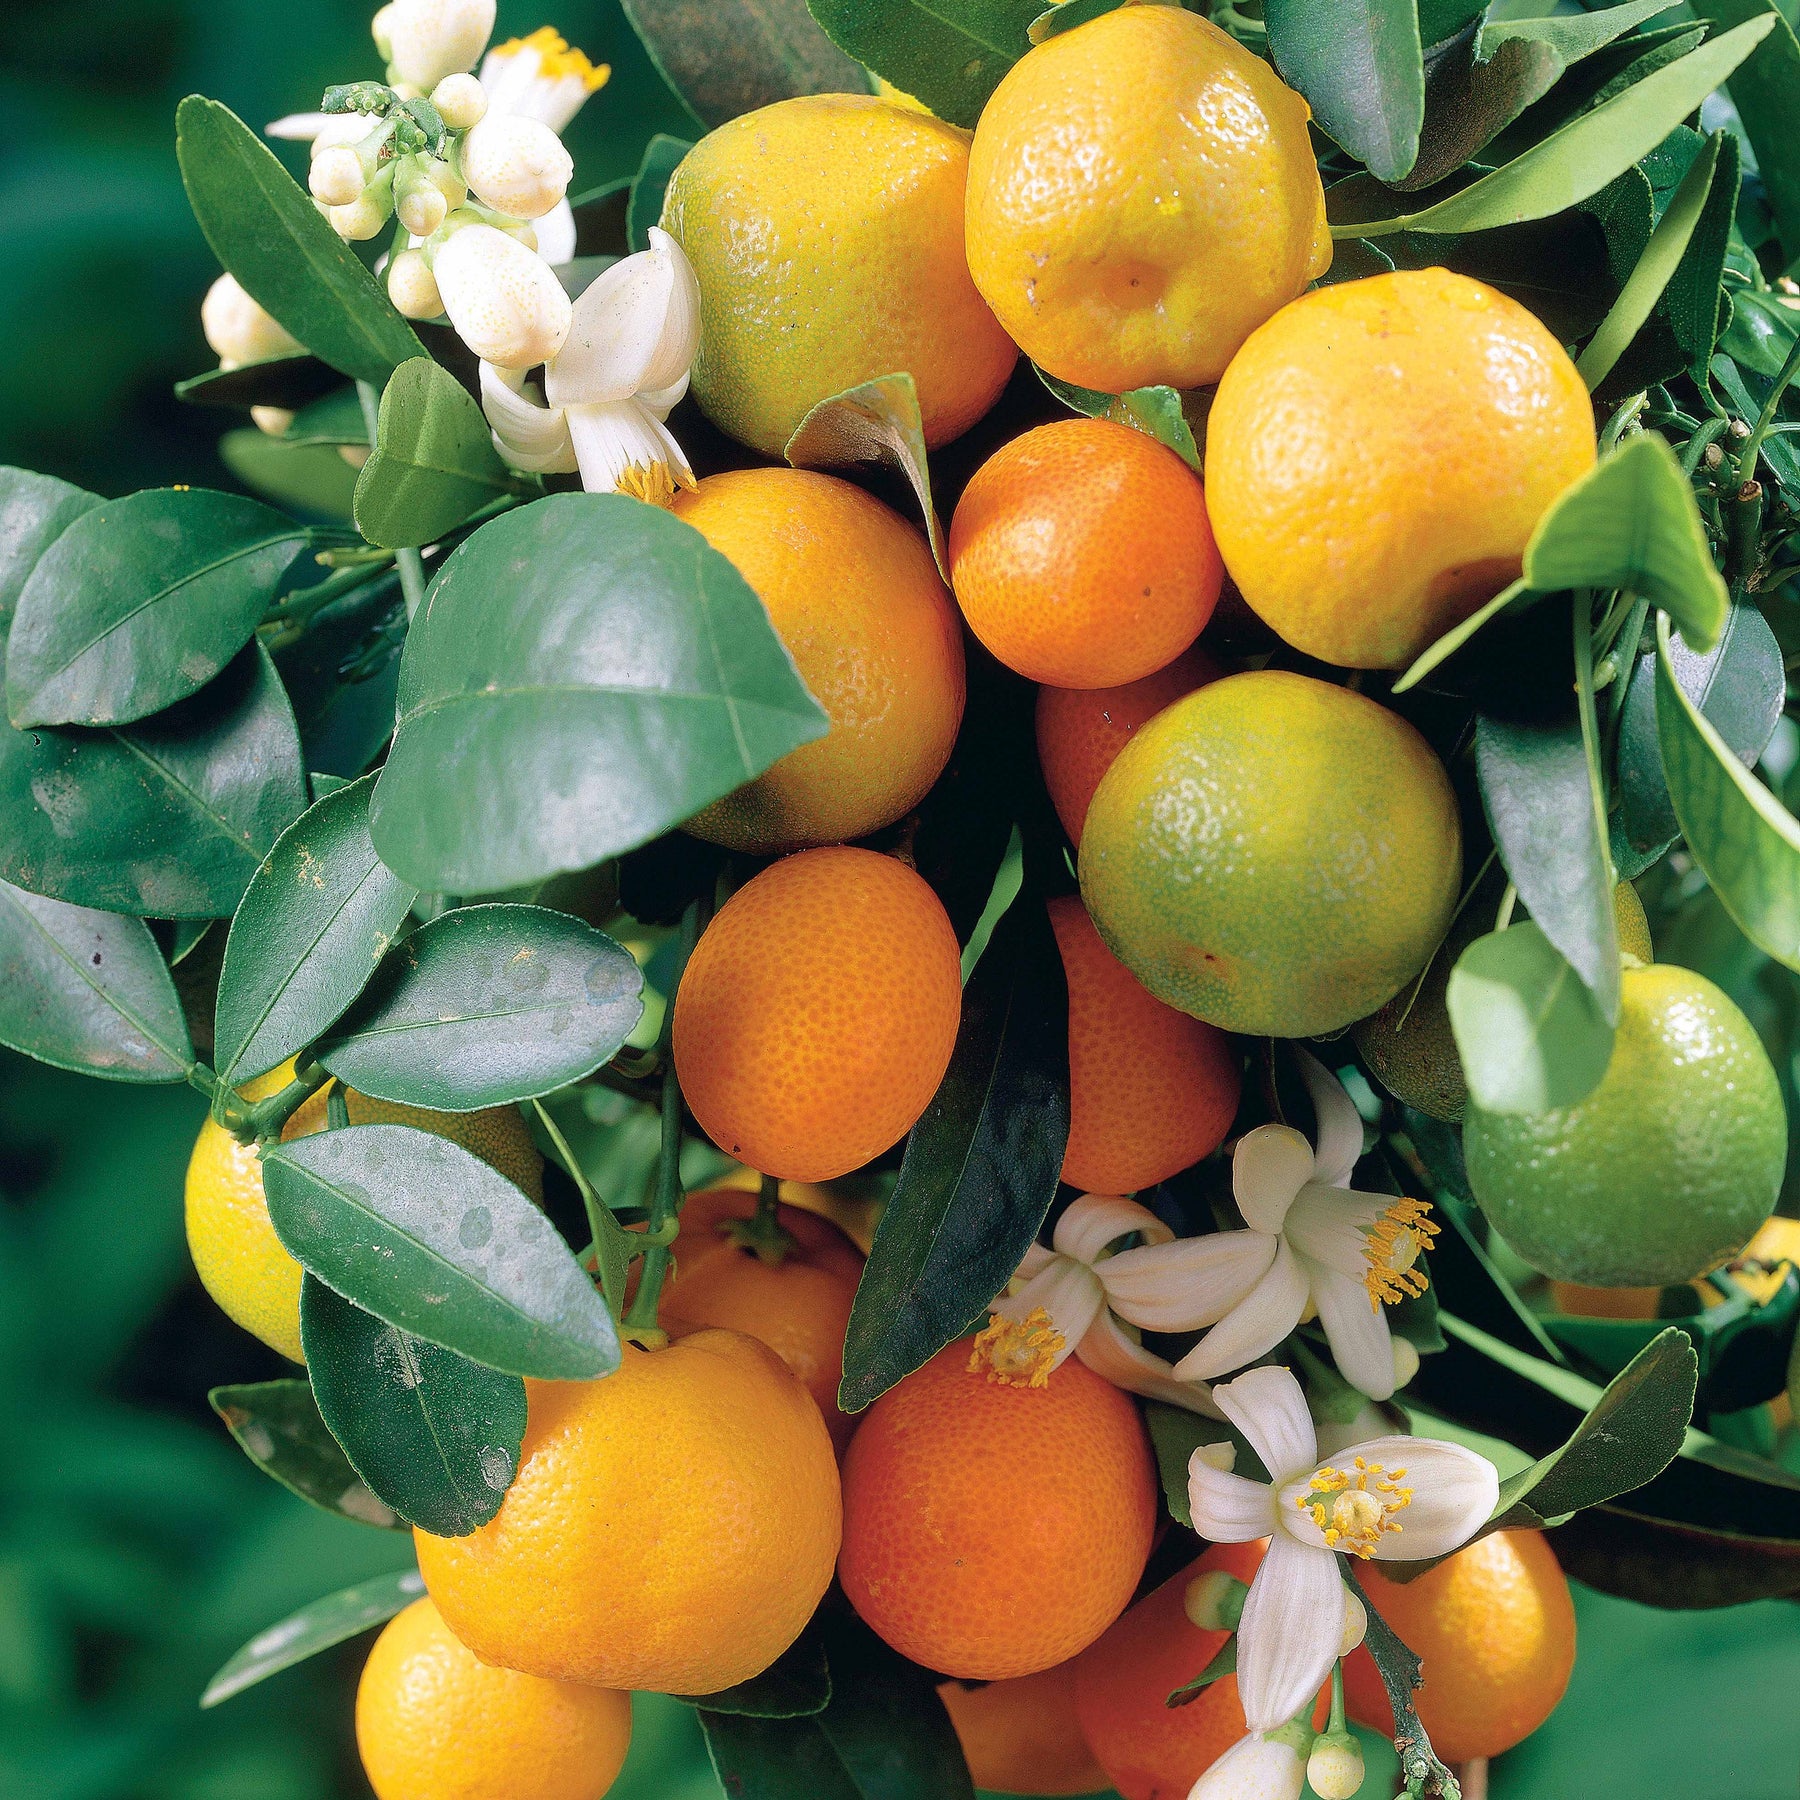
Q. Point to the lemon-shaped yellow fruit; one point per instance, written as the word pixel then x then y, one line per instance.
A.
pixel 1273 854
pixel 1142 196
pixel 1666 1169
pixel 827 235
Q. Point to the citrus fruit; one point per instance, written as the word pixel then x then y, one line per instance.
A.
pixel 854 595
pixel 1495 1628
pixel 1151 1090
pixel 1409 1043
pixel 818 1012
pixel 239 1259
pixel 1273 854
pixel 1081 730
pixel 994 1529
pixel 1081 554
pixel 1142 195
pixel 1378 454
pixel 1665 1169
pixel 827 235
pixel 1760 1270
pixel 1021 1736
pixel 672 1525
pixel 433 1723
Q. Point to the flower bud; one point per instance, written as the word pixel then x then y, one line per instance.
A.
pixel 1215 1601
pixel 1335 1767
pixel 336 176
pixel 413 288
pixel 362 219
pixel 420 204
pixel 1356 1623
pixel 381 30
pixel 238 330
pixel 429 39
pixel 271 421
pixel 1254 1768
pixel 461 101
pixel 1406 1362
pixel 516 166
pixel 504 301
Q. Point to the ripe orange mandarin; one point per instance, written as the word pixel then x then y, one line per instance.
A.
pixel 1021 1736
pixel 818 1012
pixel 1082 556
pixel 993 1529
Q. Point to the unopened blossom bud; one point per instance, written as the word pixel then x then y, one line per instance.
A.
pixel 1335 1767
pixel 516 166
pixel 413 288
pixel 420 204
pixel 271 421
pixel 461 101
pixel 238 330
pixel 337 176
pixel 1215 1601
pixel 381 30
pixel 429 39
pixel 1356 1623
pixel 362 219
pixel 1406 1362
pixel 1257 1767
pixel 504 301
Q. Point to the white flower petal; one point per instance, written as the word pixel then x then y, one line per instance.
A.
pixel 1227 1508
pixel 516 166
pixel 1110 1353
pixel 1254 1768
pixel 1035 1257
pixel 635 328
pixel 611 439
pixel 1331 1225
pixel 1453 1494
pixel 504 301
pixel 429 39
pixel 1268 1407
pixel 1289 1634
pixel 660 402
pixel 556 234
pixel 1255 1325
pixel 1340 1124
pixel 1068 1292
pixel 1370 1422
pixel 1269 1167
pixel 1190 1282
pixel 1096 1220
pixel 529 436
pixel 1358 1333
pixel 297 128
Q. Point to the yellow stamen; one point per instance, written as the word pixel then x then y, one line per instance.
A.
pixel 1394 1243
pixel 1018 1352
pixel 1355 1509
pixel 654 485
pixel 557 58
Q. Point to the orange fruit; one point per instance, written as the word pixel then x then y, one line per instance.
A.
pixel 433 1723
pixel 1081 730
pixel 1151 1090
pixel 1495 1629
pixel 1142 195
pixel 1082 556
pixel 1021 1736
pixel 1378 454
pixel 818 1012
pixel 854 595
pixel 993 1530
pixel 671 1527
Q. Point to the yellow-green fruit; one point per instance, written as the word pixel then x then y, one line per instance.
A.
pixel 1273 854
pixel 1409 1044
pixel 1666 1169
pixel 827 235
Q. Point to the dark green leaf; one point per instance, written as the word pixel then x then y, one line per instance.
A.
pixel 311 478
pixel 1359 65
pixel 1400 1673
pixel 35 510
pixel 289 382
pixel 1157 411
pixel 662 155
pixel 343 673
pixel 1766 92
pixel 1441 19
pixel 316 920
pixel 1747 396
pixel 1065 15
pixel 775 1759
pixel 1621 1551
pixel 486 1005
pixel 277 1425
pixel 141 602
pixel 423 1234
pixel 1175 1434
pixel 1223 1664
pixel 631 678
pixel 336 419
pixel 796 1685
pixel 87 990
pixel 264 228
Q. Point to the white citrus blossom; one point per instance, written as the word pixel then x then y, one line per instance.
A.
pixel 1257 1767
pixel 1393 1498
pixel 425 40
pixel 239 330
pixel 502 297
pixel 1313 1243
pixel 540 77
pixel 517 166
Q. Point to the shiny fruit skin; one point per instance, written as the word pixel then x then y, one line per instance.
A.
pixel 433 1723
pixel 827 235
pixel 1142 195
pixel 1776 1244
pixel 1021 1736
pixel 818 1012
pixel 1495 1629
pixel 854 596
pixel 1273 854
pixel 1666 1169
pixel 1081 554
pixel 1379 453
pixel 1151 1090
pixel 991 1530
pixel 671 1527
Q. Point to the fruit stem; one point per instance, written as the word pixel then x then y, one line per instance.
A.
pixel 763 1232
pixel 610 1246
pixel 265 1119
pixel 1336 1721
pixel 1590 718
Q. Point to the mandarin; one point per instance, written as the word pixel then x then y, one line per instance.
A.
pixel 1022 1736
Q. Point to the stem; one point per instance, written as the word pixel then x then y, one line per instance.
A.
pixel 286 623
pixel 337 1109
pixel 412 569
pixel 1695 447
pixel 591 1203
pixel 1590 720
pixel 1336 1721
pixel 266 1118
pixel 1746 469
pixel 1622 421
pixel 763 1232
pixel 1508 900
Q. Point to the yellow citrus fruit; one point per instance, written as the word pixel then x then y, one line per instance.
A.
pixel 1378 454
pixel 1760 1270
pixel 240 1260
pixel 1021 1736
pixel 827 234
pixel 672 1525
pixel 1666 1169
pixel 433 1723
pixel 1273 854
pixel 1142 195
pixel 853 593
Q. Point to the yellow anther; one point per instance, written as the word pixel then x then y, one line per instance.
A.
pixel 557 58
pixel 1392 1247
pixel 1018 1352
pixel 653 484
pixel 1354 1510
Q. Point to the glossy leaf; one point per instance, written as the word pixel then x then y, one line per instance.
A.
pixel 263 227
pixel 662 156
pixel 1359 65
pixel 1065 15
pixel 277 1425
pixel 337 418
pixel 487 1005
pixel 1761 332
pixel 1157 411
pixel 290 382
pixel 35 510
pixel 433 1434
pixel 1175 1434
pixel 309 478
pixel 1746 395
pixel 87 990
pixel 1766 92
pixel 141 602
pixel 631 678
pixel 312 927
pixel 343 673
pixel 423 1234
pixel 796 1685
pixel 775 1759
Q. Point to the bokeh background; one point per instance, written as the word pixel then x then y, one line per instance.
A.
pixel 137 1547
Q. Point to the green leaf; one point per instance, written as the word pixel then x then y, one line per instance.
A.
pixel 1761 332
pixel 1766 92
pixel 1747 398
pixel 876 421
pixel 310 478
pixel 315 1627
pixel 1518 595
pixel 631 678
pixel 264 228
pixel 277 1425
pixel 980 1168
pixel 1222 1664
pixel 336 419
pixel 290 382
pixel 423 1234
pixel 312 927
pixel 1530 1036
pixel 87 990
pixel 35 510
pixel 434 1435
pixel 342 674
pixel 487 1005
pixel 1156 411
pixel 796 1685
pixel 662 156
pixel 1175 1434
pixel 167 818
pixel 951 58
pixel 1065 15
pixel 775 1759
pixel 1359 65
pixel 434 461
pixel 141 602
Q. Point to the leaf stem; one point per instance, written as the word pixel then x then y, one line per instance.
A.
pixel 1746 468
pixel 1590 718
pixel 265 1119
pixel 1504 912
pixel 1622 421
pixel 411 566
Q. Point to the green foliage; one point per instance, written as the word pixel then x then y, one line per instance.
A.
pixel 277 1425
pixel 1359 64
pixel 662 156
pixel 1766 90
pixel 35 510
